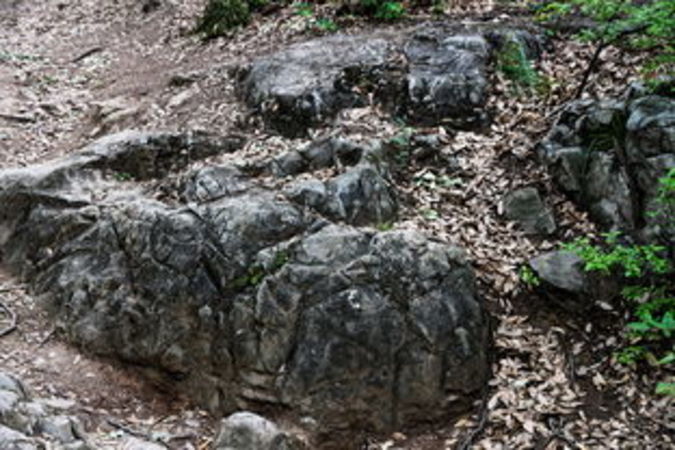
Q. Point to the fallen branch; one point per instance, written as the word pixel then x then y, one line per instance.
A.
pixel 87 54
pixel 482 422
pixel 12 316
pixel 17 118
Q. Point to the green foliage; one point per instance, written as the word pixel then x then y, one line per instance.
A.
pixel 123 176
pixel 433 182
pixel 400 144
pixel 430 214
pixel 639 25
pixel 326 25
pixel 304 9
pixel 528 276
pixel 513 62
pixel 633 261
pixel 666 389
pixel 665 200
pixel 382 9
pixel 652 331
pixel 385 226
pixel 255 274
pixel 220 16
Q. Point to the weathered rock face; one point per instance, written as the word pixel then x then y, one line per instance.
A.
pixel 248 431
pixel 243 295
pixel 429 76
pixel 564 281
pixel 526 207
pixel 609 155
pixel 30 424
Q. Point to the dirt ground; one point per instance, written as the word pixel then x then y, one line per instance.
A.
pixel 75 70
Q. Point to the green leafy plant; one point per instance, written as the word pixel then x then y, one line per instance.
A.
pixel 665 388
pixel 632 260
pixel 123 176
pixel 528 276
pixel 327 25
pixel 255 273
pixel 430 214
pixel 665 201
pixel 385 226
pixel 382 10
pixel 432 181
pixel 652 329
pixel 304 9
pixel 400 145
pixel 513 62
pixel 647 26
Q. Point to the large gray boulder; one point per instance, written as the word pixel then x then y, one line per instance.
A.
pixel 244 296
pixel 608 156
pixel 431 75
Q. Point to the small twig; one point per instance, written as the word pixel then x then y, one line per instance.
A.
pixel 482 422
pixel 17 118
pixel 598 50
pixel 12 315
pixel 47 337
pixel 87 54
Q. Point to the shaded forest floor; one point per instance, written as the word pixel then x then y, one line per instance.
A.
pixel 74 71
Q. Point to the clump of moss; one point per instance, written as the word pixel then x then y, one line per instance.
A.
pixel 220 16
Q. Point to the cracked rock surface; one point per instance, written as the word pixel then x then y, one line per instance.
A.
pixel 608 156
pixel 243 295
pixel 431 75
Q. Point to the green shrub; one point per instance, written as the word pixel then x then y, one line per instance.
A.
pixel 649 287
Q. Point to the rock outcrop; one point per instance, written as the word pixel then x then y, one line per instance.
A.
pixel 31 424
pixel 432 75
pixel 245 296
pixel 248 431
pixel 526 207
pixel 563 280
pixel 608 156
